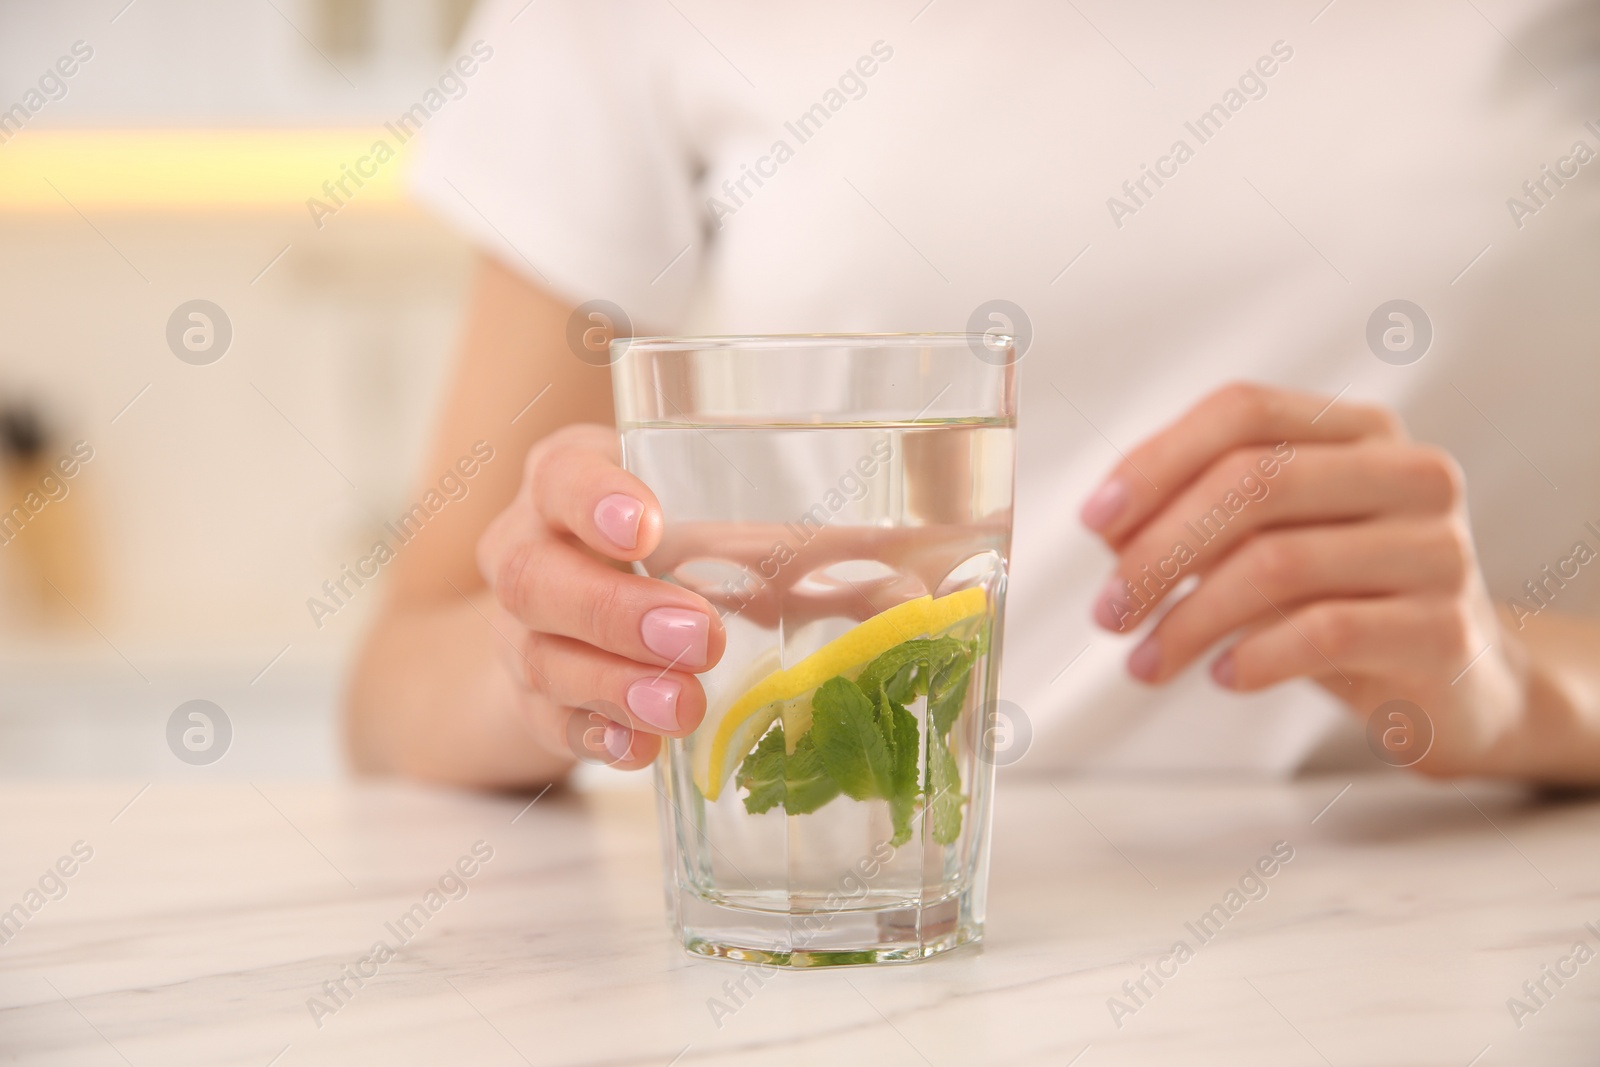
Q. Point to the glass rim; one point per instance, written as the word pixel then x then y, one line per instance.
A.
pixel 776 341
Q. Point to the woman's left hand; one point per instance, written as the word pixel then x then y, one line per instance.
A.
pixel 1334 547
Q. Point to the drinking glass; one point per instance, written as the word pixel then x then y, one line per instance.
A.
pixel 845 504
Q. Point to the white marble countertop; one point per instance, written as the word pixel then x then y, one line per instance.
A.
pixel 209 915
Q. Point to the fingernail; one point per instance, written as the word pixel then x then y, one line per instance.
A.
pixel 655 700
pixel 1104 505
pixel 619 739
pixel 1144 662
pixel 1110 610
pixel 678 635
pixel 618 517
pixel 1222 671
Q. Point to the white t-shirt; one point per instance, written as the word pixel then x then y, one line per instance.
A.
pixel 933 160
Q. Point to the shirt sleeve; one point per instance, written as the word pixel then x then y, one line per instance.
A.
pixel 562 159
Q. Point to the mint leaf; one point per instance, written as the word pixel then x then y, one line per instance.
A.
pixel 762 773
pixel 892 677
pixel 939 667
pixel 797 783
pixel 849 740
pixel 943 806
pixel 903 799
pixel 904 670
pixel 947 691
pixel 807 784
pixel 866 743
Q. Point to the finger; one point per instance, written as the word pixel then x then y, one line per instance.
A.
pixel 1419 640
pixel 594 737
pixel 1237 416
pixel 1282 570
pixel 557 588
pixel 578 487
pixel 641 697
pixel 1320 484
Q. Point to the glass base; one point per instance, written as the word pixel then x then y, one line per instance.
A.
pixel 848 937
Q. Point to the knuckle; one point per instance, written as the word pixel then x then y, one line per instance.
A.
pixel 589 437
pixel 1240 468
pixel 1454 549
pixel 567 450
pixel 1276 564
pixel 517 578
pixel 1456 631
pixel 573 433
pixel 1377 421
pixel 1332 629
pixel 534 461
pixel 602 607
pixel 545 465
pixel 1243 401
pixel 487 552
pixel 1387 422
pixel 1439 474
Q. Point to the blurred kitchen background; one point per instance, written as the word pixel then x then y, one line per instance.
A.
pixel 174 165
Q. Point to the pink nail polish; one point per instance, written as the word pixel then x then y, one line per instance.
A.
pixel 1104 505
pixel 1224 669
pixel 619 739
pixel 617 516
pixel 655 700
pixel 1144 662
pixel 1111 609
pixel 677 635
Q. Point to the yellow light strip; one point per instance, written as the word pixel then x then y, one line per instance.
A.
pixel 197 170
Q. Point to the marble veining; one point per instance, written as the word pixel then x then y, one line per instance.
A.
pixel 213 918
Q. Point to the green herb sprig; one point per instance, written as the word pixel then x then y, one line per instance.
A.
pixel 865 744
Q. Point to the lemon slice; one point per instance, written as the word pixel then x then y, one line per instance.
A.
pixel 748 717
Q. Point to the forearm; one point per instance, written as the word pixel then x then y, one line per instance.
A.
pixel 430 698
pixel 431 695
pixel 1559 739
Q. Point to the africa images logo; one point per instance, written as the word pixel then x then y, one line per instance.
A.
pixel 452 86
pixel 1252 85
pixel 851 85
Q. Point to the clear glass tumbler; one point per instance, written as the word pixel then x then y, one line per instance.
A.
pixel 845 503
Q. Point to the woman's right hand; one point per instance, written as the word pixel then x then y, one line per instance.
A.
pixel 604 661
